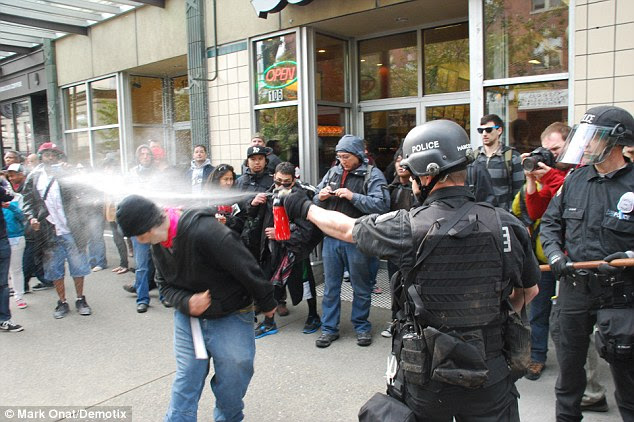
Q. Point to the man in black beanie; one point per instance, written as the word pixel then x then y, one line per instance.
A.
pixel 205 271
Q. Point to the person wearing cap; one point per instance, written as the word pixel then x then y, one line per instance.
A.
pixel 256 177
pixel 353 188
pixel 57 210
pixel 592 218
pixel 203 268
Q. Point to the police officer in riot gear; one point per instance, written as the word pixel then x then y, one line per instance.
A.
pixel 592 218
pixel 467 300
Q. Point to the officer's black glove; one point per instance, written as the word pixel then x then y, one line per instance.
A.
pixel 296 205
pixel 560 265
pixel 609 269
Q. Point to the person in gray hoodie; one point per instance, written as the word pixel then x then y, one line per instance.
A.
pixel 354 188
pixel 200 169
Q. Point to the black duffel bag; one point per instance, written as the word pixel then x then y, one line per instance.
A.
pixel 384 408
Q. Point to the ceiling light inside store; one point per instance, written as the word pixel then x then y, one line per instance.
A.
pixel 362 60
pixel 379 64
pixel 321 51
pixel 534 61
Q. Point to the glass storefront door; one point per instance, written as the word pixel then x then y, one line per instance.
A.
pixel 384 130
pixel 15 119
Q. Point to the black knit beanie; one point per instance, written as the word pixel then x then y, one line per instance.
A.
pixel 137 215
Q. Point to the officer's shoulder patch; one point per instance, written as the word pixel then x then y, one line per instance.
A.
pixel 385 217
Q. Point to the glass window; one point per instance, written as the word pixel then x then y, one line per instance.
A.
pixel 142 135
pixel 458 113
pixel 330 69
pixel 280 124
pixel 21 111
pixel 180 94
pixel 446 55
pixel 147 100
pixel 75 107
pixel 104 102
pixel 330 128
pixel 78 148
pixel 183 147
pixel 106 141
pixel 527 109
pixel 384 131
pixel 388 67
pixel 276 69
pixel 520 42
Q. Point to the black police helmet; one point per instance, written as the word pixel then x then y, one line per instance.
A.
pixel 619 120
pixel 436 147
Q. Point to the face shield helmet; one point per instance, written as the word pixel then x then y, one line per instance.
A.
pixel 592 140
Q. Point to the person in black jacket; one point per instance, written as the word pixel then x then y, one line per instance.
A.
pixel 285 263
pixel 57 209
pixel 207 273
pixel 256 177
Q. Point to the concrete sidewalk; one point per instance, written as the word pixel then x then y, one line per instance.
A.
pixel 117 357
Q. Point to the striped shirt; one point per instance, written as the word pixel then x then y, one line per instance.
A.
pixel 505 185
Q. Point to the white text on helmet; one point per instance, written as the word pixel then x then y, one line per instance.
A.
pixel 425 146
pixel 588 118
pixel 463 147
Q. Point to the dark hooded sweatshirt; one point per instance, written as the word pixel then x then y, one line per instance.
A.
pixel 206 255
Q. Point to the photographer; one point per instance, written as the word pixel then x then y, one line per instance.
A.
pixel 543 179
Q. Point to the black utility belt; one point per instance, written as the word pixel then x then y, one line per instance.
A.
pixel 611 291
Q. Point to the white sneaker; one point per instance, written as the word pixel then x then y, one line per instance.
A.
pixel 20 303
pixel 97 268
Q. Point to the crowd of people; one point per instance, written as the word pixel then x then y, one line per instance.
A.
pixel 568 201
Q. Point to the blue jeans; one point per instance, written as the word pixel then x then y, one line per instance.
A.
pixel 96 244
pixel 335 254
pixel 230 343
pixel 539 316
pixel 5 258
pixel 144 270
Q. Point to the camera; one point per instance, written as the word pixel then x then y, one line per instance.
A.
pixel 538 155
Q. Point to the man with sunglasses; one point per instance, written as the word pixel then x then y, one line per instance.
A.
pixel 348 188
pixel 503 162
pixel 284 263
pixel 592 218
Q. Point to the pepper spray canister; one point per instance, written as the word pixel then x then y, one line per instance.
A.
pixel 280 218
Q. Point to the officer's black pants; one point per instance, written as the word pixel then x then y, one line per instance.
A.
pixel 576 321
pixel 496 403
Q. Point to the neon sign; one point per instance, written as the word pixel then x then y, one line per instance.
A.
pixel 280 74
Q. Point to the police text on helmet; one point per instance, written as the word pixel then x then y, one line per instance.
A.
pixel 425 146
pixel 588 118
pixel 463 147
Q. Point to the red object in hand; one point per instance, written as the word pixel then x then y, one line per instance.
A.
pixel 225 209
pixel 280 221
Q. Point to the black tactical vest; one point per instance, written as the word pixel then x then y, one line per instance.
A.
pixel 461 282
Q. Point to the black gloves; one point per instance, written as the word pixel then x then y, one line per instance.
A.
pixel 296 205
pixel 609 269
pixel 560 265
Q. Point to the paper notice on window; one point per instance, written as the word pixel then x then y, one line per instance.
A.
pixel 197 337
